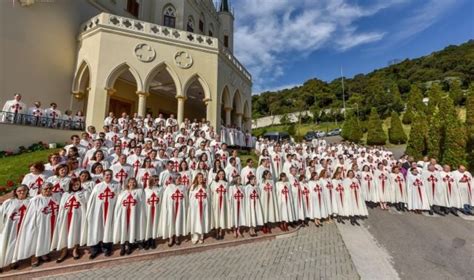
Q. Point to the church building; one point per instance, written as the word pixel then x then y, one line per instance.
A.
pixel 145 56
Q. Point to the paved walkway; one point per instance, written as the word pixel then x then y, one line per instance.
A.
pixel 314 253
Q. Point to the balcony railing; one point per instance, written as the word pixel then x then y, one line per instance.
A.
pixel 162 32
pixel 29 120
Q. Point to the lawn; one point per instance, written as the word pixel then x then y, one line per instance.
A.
pixel 300 129
pixel 13 167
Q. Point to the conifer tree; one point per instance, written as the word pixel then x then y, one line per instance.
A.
pixel 415 99
pixel 375 133
pixel 470 126
pixel 396 134
pixel 397 103
pixel 417 141
pixel 435 135
pixel 454 149
pixel 455 92
pixel 434 94
pixel 351 130
pixel 408 116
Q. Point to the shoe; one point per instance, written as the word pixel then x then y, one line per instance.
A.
pixel 201 241
pixel 171 243
pixel 93 255
pixel 122 250
pixel 153 244
pixel 108 253
pixel 46 258
pixel 431 212
pixel 14 266
pixel 146 245
pixel 128 249
pixel 178 242
pixel 356 223
pixel 62 256
pixel 35 262
pixel 75 253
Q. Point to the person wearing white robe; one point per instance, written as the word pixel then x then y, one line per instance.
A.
pixel 247 171
pixel 383 186
pixel 70 232
pixel 329 194
pixel 398 182
pixel 253 206
pixel 173 214
pixel 153 201
pixel 369 187
pixel 199 211
pixel 145 173
pixel 305 196
pixel 237 206
pixel 37 229
pixel 35 179
pixel 122 171
pixel 268 201
pixel 284 202
pixel 296 195
pixel 60 181
pixel 35 114
pixel 167 176
pixel 218 190
pixel 452 190
pixel 417 198
pixel 341 193
pixel 12 109
pixel 277 161
pixel 465 183
pixel 231 169
pixel 12 214
pixel 317 209
pixel 355 199
pixel 100 215
pixel 129 217
pixel 53 115
pixel 437 195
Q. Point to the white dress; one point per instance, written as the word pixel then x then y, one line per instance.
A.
pixel 236 206
pixel 317 209
pixel 269 202
pixel 285 202
pixel 219 198
pixel 12 214
pixel 199 211
pixel 173 212
pixel 129 217
pixel 253 206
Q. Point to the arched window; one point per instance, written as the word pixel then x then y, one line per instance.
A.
pixel 169 16
pixel 211 30
pixel 190 24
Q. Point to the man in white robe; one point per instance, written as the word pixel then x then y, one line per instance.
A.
pixel 463 179
pixel 435 190
pixel 417 198
pixel 100 215
pixel 53 115
pixel 452 189
pixel 35 114
pixel 247 171
pixel 122 171
pixel 13 109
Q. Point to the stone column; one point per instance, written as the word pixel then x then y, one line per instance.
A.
pixel 227 115
pixel 142 103
pixel 180 109
pixel 208 104
pixel 247 125
pixel 97 105
pixel 238 120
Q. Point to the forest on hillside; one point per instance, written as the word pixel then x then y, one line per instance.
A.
pixel 385 89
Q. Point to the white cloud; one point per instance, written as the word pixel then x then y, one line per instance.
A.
pixel 268 33
pixel 277 88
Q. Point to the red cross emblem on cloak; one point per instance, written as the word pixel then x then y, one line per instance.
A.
pixel 399 180
pixel 238 196
pixel 153 201
pixel 70 205
pixel 277 160
pixel 221 192
pixel 177 196
pixel 432 179
pixel 51 208
pixel 383 178
pixel 20 214
pixel 296 184
pixel 185 180
pixel 418 183
pixel 305 193
pixel 200 196
pixel 254 196
pixel 105 195
pixel 53 115
pixel 128 203
pixel 340 190
pixel 355 187
pixel 285 192
pixel 466 179
pixel 136 165
pixel 449 180
pixel 268 188
pixel 318 189
pixel 57 188
pixel 39 183
pixel 368 178
pixel 145 178
pixel 17 107
pixel 121 175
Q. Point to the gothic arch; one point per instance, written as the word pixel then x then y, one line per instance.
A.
pixel 237 102
pixel 157 69
pixel 196 77
pixel 226 102
pixel 80 77
pixel 119 70
pixel 247 112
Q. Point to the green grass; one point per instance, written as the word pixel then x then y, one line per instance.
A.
pixel 246 155
pixel 13 167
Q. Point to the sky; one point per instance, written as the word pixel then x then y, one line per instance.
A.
pixel 283 43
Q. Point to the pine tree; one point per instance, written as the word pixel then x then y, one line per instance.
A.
pixel 351 130
pixel 408 116
pixel 435 135
pixel 470 126
pixel 415 99
pixel 434 94
pixel 397 103
pixel 417 141
pixel 396 135
pixel 454 150
pixel 455 92
pixel 375 133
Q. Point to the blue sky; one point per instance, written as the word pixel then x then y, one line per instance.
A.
pixel 286 42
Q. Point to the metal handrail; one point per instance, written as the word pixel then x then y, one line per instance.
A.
pixel 37 121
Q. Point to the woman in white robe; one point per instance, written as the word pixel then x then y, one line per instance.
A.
pixel 129 217
pixel 317 210
pixel 173 214
pixel 86 181
pixel 285 202
pixel 355 200
pixel 417 198
pixel 60 181
pixel 12 214
pixel 341 196
pixel 329 194
pixel 237 206
pixel 71 227
pixel 35 179
pixel 219 197
pixel 397 180
pixel 145 173
pixel 383 186
pixel 153 201
pixel 369 187
pixel 199 211
pixel 253 206
pixel 269 201
pixel 37 228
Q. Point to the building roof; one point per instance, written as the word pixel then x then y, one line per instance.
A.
pixel 224 6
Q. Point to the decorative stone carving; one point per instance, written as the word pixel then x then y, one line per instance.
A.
pixel 183 60
pixel 145 53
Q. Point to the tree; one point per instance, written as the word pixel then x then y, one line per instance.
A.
pixel 417 142
pixel 408 116
pixel 434 94
pixel 375 133
pixel 351 130
pixel 455 92
pixel 396 134
pixel 415 99
pixel 397 103
pixel 435 135
pixel 470 126
pixel 454 150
